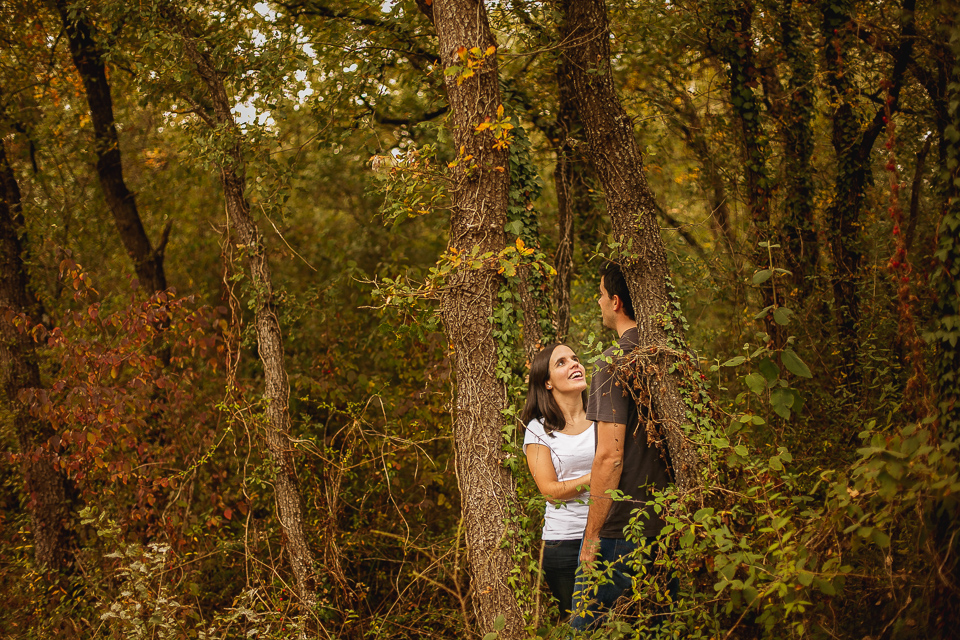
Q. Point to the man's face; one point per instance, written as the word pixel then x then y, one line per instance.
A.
pixel 607 312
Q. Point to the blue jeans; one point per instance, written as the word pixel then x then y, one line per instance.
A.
pixel 560 561
pixel 593 597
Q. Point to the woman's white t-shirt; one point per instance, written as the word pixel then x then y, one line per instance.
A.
pixel 572 458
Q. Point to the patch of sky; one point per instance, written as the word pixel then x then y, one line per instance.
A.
pixel 264 10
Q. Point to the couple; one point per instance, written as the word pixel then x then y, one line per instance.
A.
pixel 575 452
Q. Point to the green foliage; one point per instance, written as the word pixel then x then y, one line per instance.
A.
pixel 829 504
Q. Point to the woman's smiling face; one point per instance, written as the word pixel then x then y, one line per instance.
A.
pixel 566 372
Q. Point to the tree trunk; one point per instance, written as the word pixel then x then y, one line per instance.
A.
pixel 568 181
pixel 536 306
pixel 736 47
pixel 614 153
pixel 478 213
pixel 800 244
pixel 269 337
pixel 45 486
pixel 946 276
pixel 853 146
pixel 88 59
pixel 711 181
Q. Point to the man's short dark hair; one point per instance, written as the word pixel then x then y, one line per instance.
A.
pixel 616 285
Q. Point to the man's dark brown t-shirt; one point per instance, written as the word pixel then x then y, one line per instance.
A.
pixel 643 467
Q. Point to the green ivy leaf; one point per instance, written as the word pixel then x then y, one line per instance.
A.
pixel 769 370
pixel 762 276
pixel 734 362
pixel 794 364
pixel 756 383
pixel 782 400
pixel 782 316
pixel 826 586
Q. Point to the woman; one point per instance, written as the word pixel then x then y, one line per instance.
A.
pixel 559 446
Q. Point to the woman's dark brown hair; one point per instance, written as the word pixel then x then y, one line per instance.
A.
pixel 540 403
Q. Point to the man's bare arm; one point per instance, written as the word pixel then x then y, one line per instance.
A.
pixel 605 477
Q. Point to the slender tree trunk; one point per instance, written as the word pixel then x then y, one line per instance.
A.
pixel 737 50
pixel 88 59
pixel 711 181
pixel 614 153
pixel 45 486
pixel 568 181
pixel 800 243
pixel 478 213
pixel 536 305
pixel 946 276
pixel 853 146
pixel 269 336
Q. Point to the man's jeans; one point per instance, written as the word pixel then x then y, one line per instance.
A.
pixel 593 597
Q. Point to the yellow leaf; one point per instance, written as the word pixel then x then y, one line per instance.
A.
pixel 483 126
pixel 500 112
pixel 520 244
pixel 475 51
pixel 491 50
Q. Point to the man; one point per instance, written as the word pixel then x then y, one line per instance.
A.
pixel 623 461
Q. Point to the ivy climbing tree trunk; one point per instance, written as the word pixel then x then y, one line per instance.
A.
pixel 478 213
pixel 736 48
pixel 946 275
pixel 616 158
pixel 45 486
pixel 276 395
pixel 853 144
pixel 88 59
pixel 800 243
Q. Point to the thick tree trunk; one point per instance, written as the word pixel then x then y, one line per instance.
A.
pixel 269 337
pixel 614 153
pixel 45 486
pixel 88 59
pixel 478 213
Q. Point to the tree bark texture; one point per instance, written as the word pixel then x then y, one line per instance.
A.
pixel 479 196
pixel 45 485
pixel 289 500
pixel 88 59
pixel 616 158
